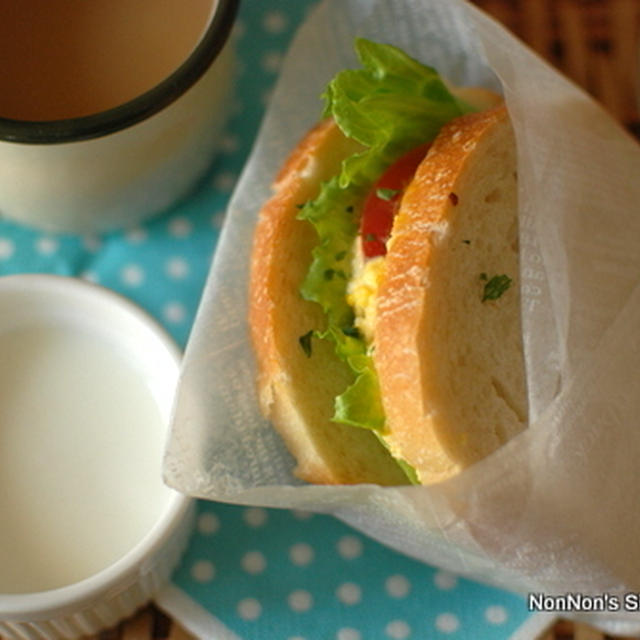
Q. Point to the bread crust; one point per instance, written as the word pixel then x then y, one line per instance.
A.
pixel 297 392
pixel 450 364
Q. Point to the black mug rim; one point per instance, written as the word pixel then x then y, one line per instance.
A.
pixel 139 108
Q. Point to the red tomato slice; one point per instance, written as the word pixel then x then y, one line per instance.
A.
pixel 383 201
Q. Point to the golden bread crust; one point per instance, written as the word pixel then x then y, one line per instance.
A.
pixel 296 391
pixel 450 364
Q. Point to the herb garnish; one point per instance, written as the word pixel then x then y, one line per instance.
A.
pixel 305 342
pixel 495 287
pixel 351 332
pixel 387 194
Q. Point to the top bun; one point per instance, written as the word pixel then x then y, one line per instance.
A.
pixel 448 338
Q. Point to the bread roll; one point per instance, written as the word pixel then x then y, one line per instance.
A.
pixel 448 354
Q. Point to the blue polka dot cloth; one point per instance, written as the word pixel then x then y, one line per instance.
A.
pixel 253 573
pixel 267 574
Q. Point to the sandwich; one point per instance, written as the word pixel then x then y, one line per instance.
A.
pixel 384 304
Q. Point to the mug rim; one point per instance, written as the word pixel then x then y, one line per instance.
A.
pixel 139 108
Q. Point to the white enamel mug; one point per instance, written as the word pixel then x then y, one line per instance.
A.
pixel 113 168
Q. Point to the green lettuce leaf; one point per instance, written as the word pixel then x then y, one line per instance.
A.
pixel 334 214
pixel 391 105
pixel 361 404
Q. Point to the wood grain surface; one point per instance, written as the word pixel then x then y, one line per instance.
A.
pixel 152 624
pixel 593 42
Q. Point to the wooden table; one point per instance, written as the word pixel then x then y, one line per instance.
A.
pixel 152 624
pixel 149 624
pixel 593 42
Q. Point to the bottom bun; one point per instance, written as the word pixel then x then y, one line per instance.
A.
pixel 297 392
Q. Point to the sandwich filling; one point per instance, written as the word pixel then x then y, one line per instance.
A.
pixel 394 107
pixel 370 247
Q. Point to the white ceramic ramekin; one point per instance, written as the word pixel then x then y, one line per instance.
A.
pixel 116 168
pixel 114 592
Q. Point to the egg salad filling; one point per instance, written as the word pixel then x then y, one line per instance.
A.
pixel 362 290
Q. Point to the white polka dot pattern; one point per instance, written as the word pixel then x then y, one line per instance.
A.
pixel 137 235
pixel 132 275
pixel 447 623
pixel 445 580
pixel 254 562
pixel 177 268
pixel 349 593
pixel 300 600
pixel 255 516
pixel 274 22
pixel 203 571
pixel 398 630
pixel 301 554
pixel 249 609
pixel 7 248
pixel 208 523
pixel 350 547
pixel 397 586
pixel 180 227
pixel 46 245
pixel 225 181
pixel 348 633
pixel 174 312
pixel 496 614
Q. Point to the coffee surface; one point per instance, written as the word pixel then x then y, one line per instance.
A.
pixel 69 58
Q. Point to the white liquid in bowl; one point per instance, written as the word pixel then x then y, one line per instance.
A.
pixel 81 441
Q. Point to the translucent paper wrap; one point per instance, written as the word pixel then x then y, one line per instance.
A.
pixel 556 509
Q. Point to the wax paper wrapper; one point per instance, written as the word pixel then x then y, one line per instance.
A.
pixel 556 509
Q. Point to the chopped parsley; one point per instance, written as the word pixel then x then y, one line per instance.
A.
pixel 387 194
pixel 351 331
pixel 305 342
pixel 329 273
pixel 495 287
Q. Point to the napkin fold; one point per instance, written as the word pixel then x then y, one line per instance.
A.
pixel 552 511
